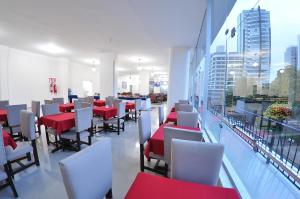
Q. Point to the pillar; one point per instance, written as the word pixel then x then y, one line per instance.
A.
pixel 107 74
pixel 144 82
pixel 178 75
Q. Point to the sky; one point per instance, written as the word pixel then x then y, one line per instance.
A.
pixel 285 27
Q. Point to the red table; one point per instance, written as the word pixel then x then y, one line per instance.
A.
pixel 66 107
pixel 3 115
pixel 129 106
pixel 148 186
pixel 172 117
pixel 105 112
pixel 8 140
pixel 60 122
pixel 99 103
pixel 156 142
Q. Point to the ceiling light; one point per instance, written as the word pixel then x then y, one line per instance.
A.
pixel 119 69
pixel 52 48
pixel 139 59
pixel 92 61
pixel 94 69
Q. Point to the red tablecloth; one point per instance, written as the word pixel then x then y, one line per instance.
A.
pixel 66 107
pixel 129 106
pixel 3 115
pixel 172 117
pixel 148 186
pixel 8 140
pixel 105 112
pixel 156 142
pixel 99 103
pixel 60 122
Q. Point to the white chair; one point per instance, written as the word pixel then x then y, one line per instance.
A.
pixel 144 125
pixel 116 102
pixel 24 148
pixel 88 173
pixel 147 105
pixel 161 115
pixel 187 119
pixel 185 107
pixel 119 119
pixel 197 162
pixel 77 104
pixel 36 109
pixel 5 174
pixel 50 109
pixel 48 101
pixel 3 104
pixel 83 128
pixel 13 119
pixel 183 101
pixel 58 100
pixel 137 110
pixel 86 105
pixel 109 100
pixel 89 99
pixel 177 133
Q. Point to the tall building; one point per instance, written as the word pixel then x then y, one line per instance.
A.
pixel 254 42
pixel 217 74
pixel 291 56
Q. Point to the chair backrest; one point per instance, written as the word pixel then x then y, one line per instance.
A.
pixel 183 101
pixel 178 133
pixel 188 119
pixel 58 100
pixel 48 101
pixel 144 123
pixel 86 105
pixel 185 107
pixel 3 104
pixel 138 104
pixel 177 106
pixel 83 119
pixel 3 159
pixel 116 102
pixel 36 108
pixel 27 124
pixel 147 104
pixel 13 114
pixel 88 173
pixel 50 109
pixel 197 162
pixel 240 106
pixel 121 109
pixel 161 115
pixel 77 104
pixel 89 99
pixel 109 100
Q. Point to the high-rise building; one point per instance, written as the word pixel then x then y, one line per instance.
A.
pixel 291 56
pixel 254 42
pixel 217 74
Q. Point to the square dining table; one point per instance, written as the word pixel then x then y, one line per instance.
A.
pixel 60 122
pixel 66 107
pixel 105 111
pixel 8 140
pixel 99 103
pixel 156 142
pixel 149 186
pixel 3 115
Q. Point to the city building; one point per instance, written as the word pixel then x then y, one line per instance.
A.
pixel 254 42
pixel 291 56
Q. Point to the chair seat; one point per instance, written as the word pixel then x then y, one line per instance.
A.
pixel 20 151
pixel 3 175
pixel 72 135
pixel 113 121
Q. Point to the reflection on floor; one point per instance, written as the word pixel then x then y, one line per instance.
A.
pixel 45 182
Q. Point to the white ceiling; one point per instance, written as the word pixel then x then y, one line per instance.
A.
pixel 87 28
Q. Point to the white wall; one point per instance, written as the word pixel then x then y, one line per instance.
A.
pixel 107 81
pixel 80 73
pixel 24 76
pixel 144 82
pixel 126 78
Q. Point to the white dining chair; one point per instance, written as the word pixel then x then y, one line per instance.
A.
pixel 119 120
pixel 50 109
pixel 161 115
pixel 13 119
pixel 137 109
pixel 5 174
pixel 185 107
pixel 183 101
pixel 177 133
pixel 36 109
pixel 88 173
pixel 58 100
pixel 3 104
pixel 187 119
pixel 197 162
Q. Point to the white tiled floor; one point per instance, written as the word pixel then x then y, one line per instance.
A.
pixel 45 182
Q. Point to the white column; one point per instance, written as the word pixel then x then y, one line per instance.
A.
pixel 107 75
pixel 178 75
pixel 144 82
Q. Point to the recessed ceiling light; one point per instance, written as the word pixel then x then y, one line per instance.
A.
pixel 52 48
pixel 94 69
pixel 119 69
pixel 139 59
